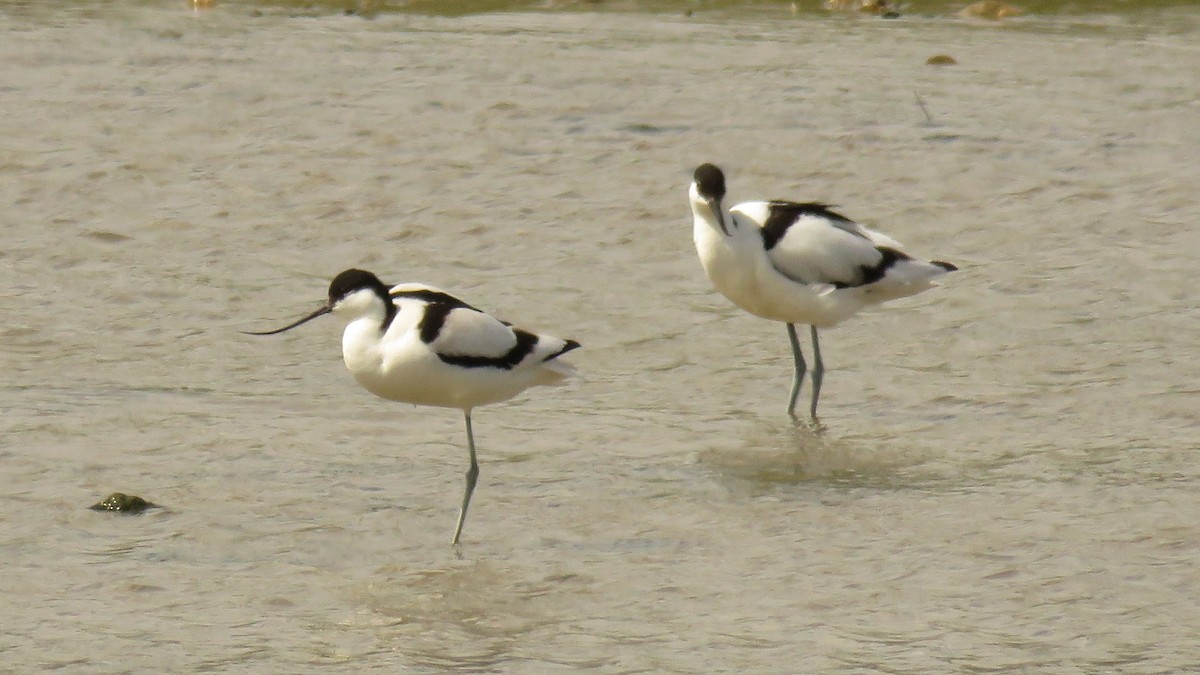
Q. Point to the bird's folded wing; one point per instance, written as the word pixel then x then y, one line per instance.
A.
pixel 815 250
pixel 469 332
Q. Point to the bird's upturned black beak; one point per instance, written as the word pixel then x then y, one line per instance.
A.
pixel 323 310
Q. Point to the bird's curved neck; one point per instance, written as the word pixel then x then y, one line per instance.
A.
pixel 389 313
pixel 371 306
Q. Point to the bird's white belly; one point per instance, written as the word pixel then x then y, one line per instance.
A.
pixel 409 382
pixel 410 372
pixel 741 284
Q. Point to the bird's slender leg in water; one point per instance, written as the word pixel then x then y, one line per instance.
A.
pixel 472 477
pixel 818 372
pixel 798 376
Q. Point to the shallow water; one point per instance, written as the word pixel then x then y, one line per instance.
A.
pixel 1008 480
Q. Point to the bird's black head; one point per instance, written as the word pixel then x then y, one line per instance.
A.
pixel 710 182
pixel 354 280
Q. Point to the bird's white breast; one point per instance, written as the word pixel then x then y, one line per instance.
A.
pixel 731 269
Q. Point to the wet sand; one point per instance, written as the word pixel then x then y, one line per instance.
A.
pixel 1008 481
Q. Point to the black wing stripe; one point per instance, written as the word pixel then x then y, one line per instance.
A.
pixel 438 306
pixel 433 320
pixel 432 297
pixel 526 341
pixel 869 274
pixel 782 215
pixel 570 344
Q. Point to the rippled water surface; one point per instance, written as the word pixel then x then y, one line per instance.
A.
pixel 1009 478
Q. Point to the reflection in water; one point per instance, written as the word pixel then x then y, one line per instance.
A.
pixel 785 452
pixel 473 616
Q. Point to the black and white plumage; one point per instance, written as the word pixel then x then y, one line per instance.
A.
pixel 418 344
pixel 799 263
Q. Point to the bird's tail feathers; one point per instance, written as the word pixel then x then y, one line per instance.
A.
pixel 552 370
pixel 906 277
pixel 555 373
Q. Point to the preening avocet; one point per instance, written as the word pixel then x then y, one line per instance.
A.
pixel 799 263
pixel 418 344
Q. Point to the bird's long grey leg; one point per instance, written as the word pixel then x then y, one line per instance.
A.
pixel 472 477
pixel 818 372
pixel 798 377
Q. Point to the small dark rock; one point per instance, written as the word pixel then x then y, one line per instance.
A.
pixel 119 501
